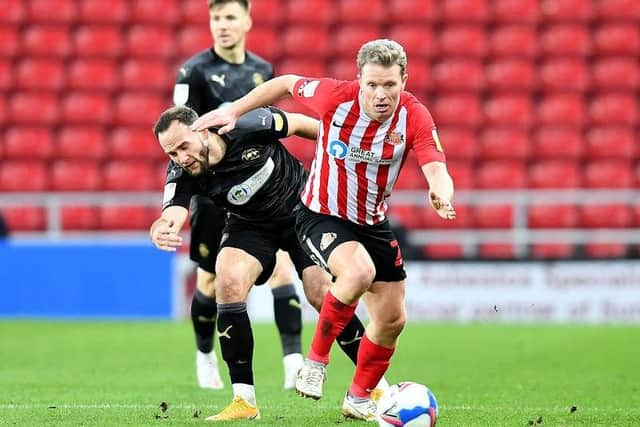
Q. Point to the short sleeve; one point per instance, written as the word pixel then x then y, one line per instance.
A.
pixel 268 121
pixel 178 187
pixel 425 143
pixel 315 94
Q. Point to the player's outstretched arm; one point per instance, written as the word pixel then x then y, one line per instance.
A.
pixel 265 94
pixel 440 189
pixel 302 125
pixel 164 231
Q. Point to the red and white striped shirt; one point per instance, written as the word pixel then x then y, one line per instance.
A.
pixel 357 160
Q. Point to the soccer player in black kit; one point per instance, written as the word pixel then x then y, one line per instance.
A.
pixel 251 174
pixel 207 81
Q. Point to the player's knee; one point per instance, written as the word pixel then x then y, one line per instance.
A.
pixel 360 276
pixel 229 289
pixel 395 325
pixel 205 283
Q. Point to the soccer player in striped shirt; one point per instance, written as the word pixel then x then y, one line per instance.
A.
pixel 367 128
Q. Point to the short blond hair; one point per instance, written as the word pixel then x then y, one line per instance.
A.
pixel 383 52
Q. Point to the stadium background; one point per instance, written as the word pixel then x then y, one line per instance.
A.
pixel 536 103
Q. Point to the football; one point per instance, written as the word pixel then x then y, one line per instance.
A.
pixel 408 404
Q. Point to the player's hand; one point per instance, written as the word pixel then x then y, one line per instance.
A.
pixel 443 207
pixel 163 236
pixel 221 118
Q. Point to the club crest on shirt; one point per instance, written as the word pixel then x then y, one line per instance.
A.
pixel 326 240
pixel 394 138
pixel 258 79
pixel 250 154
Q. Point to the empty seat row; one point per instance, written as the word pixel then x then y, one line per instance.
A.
pixel 327 11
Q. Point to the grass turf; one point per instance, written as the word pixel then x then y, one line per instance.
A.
pixel 118 373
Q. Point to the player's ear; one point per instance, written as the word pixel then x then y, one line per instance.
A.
pixel 248 24
pixel 204 134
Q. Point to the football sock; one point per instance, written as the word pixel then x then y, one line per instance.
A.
pixel 373 361
pixel 349 338
pixel 236 341
pixel 334 315
pixel 203 317
pixel 288 315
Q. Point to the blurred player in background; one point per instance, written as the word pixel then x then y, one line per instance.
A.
pixel 367 127
pixel 207 81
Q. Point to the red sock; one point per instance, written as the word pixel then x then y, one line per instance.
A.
pixel 373 361
pixel 334 316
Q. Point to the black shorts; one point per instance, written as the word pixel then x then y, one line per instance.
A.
pixel 321 234
pixel 263 239
pixel 207 222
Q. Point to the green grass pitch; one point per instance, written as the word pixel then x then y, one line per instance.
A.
pixel 117 373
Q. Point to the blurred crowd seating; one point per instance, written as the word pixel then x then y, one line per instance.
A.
pixel 527 94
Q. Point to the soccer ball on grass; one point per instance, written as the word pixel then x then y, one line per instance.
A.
pixel 408 404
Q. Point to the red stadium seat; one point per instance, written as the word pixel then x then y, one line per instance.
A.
pixel 463 40
pixel 406 215
pixel 347 40
pixel 266 42
pixel 25 218
pixel 80 142
pixel 413 11
pixel 503 174
pixel 343 68
pixel 458 75
pixel 194 12
pixel 46 40
pixel 138 108
pixel 443 251
pixel 4 113
pixel 621 73
pixel 86 108
pixel 459 142
pixel 96 11
pixel 617 39
pixel 79 217
pixel 317 12
pixel 611 142
pixel 567 10
pixel 297 39
pixel 307 67
pixel 614 108
pixel 267 12
pixel 553 216
pixel 465 11
pixel 566 40
pixel 6 75
pixel 40 74
pixel 155 11
pixel 567 110
pixel 134 143
pixel 9 41
pixel 124 218
pixel 411 177
pixel 352 12
pixel 519 11
pixel 420 71
pixel 192 40
pixel 606 216
pixel 496 251
pixel 75 175
pixel 26 175
pixel 92 74
pixel 303 149
pixel 554 174
pixel 13 11
pixel 150 41
pixel 608 174
pixel 33 108
pixel 29 143
pixel 131 175
pixel 493 216
pixel 616 10
pixel 564 74
pixel 513 40
pixel 504 144
pixel 463 110
pixel 511 75
pixel 52 11
pixel 145 74
pixel 417 40
pixel 98 41
pixel 462 174
pixel 552 250
pixel 605 250
pixel 509 110
pixel 557 143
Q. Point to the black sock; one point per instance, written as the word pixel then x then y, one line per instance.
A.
pixel 236 341
pixel 203 317
pixel 349 338
pixel 288 314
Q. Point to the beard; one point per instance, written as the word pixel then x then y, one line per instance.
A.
pixel 202 161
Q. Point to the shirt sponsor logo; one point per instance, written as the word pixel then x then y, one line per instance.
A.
pixel 357 155
pixel 308 88
pixel 180 93
pixel 241 193
pixel 337 149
